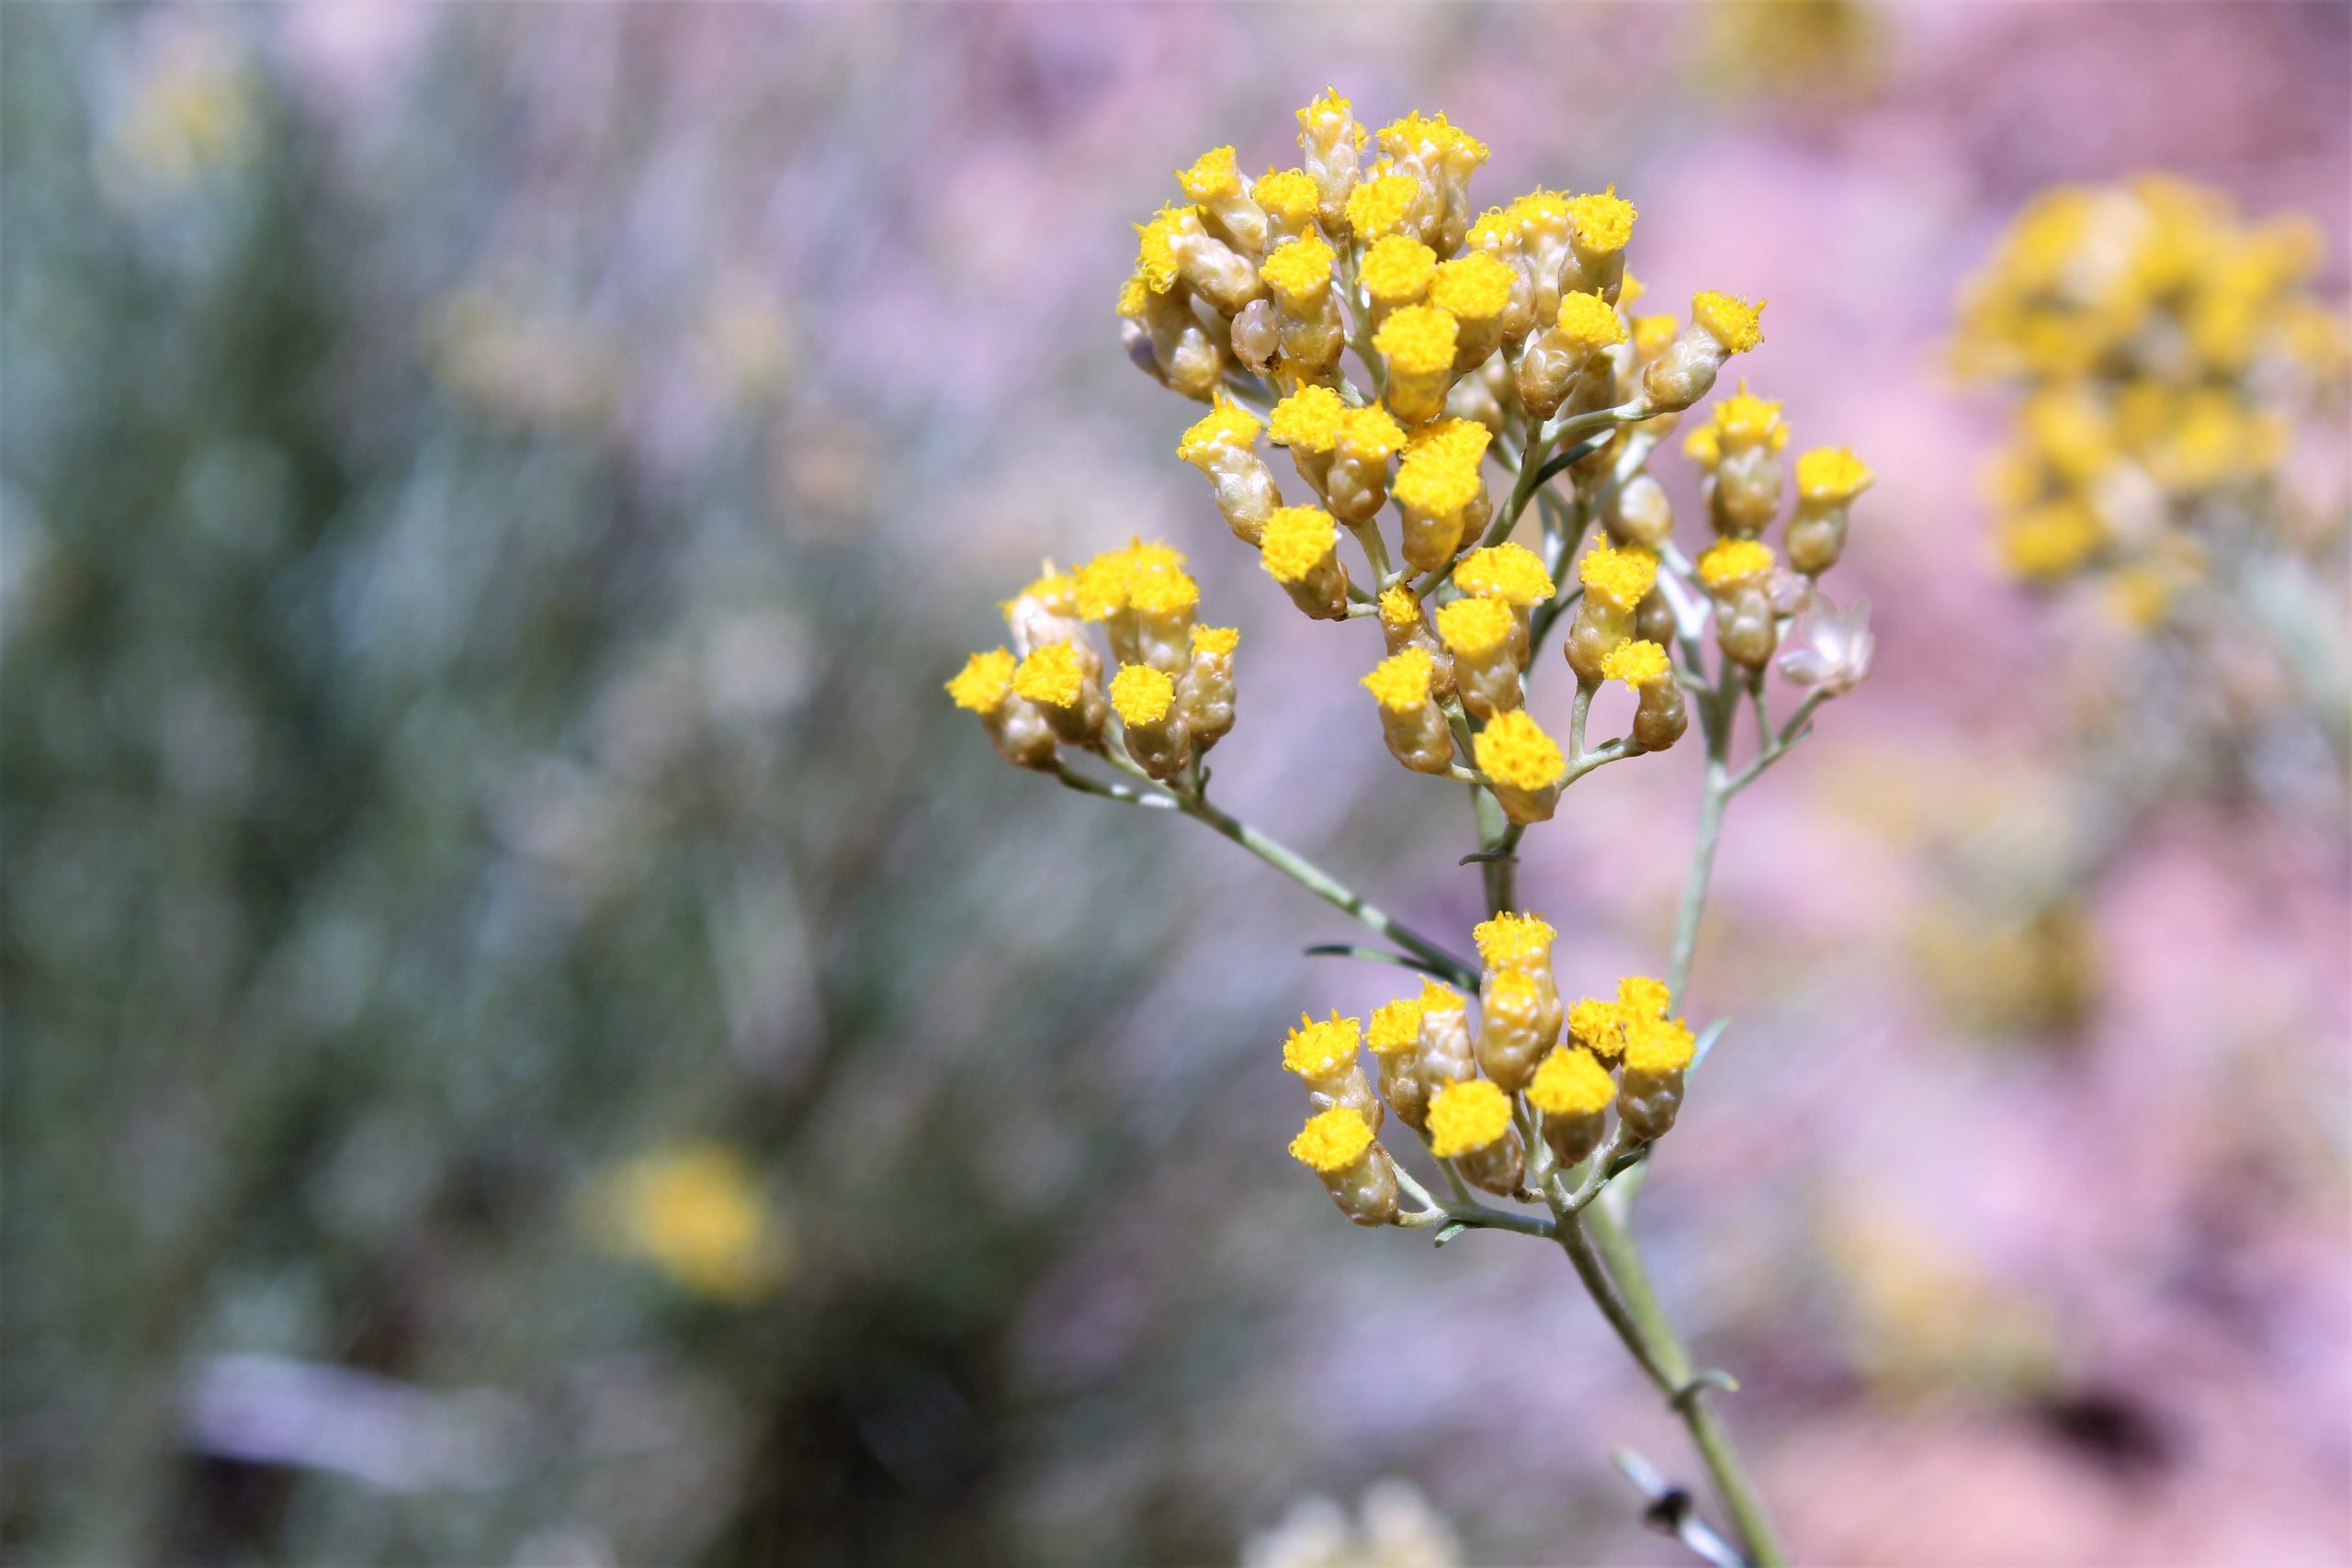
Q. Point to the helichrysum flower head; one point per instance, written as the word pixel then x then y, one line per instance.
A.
pixel 1466 1117
pixel 1570 1082
pixel 1514 942
pixel 1141 695
pixel 1401 683
pixel 1620 577
pixel 1418 341
pixel 1730 564
pixel 1395 1026
pixel 1475 630
pixel 1642 996
pixel 1509 572
pixel 1741 421
pixel 1658 1047
pixel 1333 1141
pixel 1370 433
pixel 1515 754
pixel 1599 1027
pixel 1378 206
pixel 1638 663
pixel 1298 273
pixel 1288 197
pixel 1319 1049
pixel 1051 676
pixel 1472 287
pixel 1589 322
pixel 697 1213
pixel 1603 222
pixel 1729 320
pixel 1226 424
pixel 1307 420
pixel 1397 270
pixel 1832 473
pixel 1298 539
pixel 1214 173
pixel 984 682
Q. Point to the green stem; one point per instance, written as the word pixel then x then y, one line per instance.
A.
pixel 1717 794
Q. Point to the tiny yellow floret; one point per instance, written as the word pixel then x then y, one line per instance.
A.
pixel 1832 473
pixel 1309 418
pixel 1299 271
pixel 1297 539
pixel 1658 1046
pixel 1728 563
pixel 1132 295
pixel 1141 694
pixel 1316 1050
pixel 1472 287
pixel 1051 675
pixel 1746 419
pixel 1402 138
pixel 1214 173
pixel 1513 573
pixel 1599 1027
pixel 1377 207
pixel 1729 320
pixel 1156 248
pixel 1604 221
pixel 1466 1117
pixel 1653 333
pixel 1620 577
pixel 1638 663
pixel 1435 480
pixel 1418 340
pixel 1514 942
pixel 1398 269
pixel 1218 641
pixel 984 682
pixel 1466 440
pixel 1642 996
pixel 1401 683
pixel 1164 592
pixel 1226 424
pixel 1331 1142
pixel 1513 752
pixel 1590 322
pixel 1571 1083
pixel 1371 432
pixel 1329 111
pixel 1475 629
pixel 1287 194
pixel 1399 608
pixel 1395 1026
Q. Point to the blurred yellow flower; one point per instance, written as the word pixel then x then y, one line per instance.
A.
pixel 696 1213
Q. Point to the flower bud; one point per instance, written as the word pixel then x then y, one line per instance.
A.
pixel 1585 326
pixel 1571 1092
pixel 1739 448
pixel 1543 224
pixel 1069 694
pixel 1219 274
pixel 1660 717
pixel 1511 1038
pixel 1721 325
pixel 1640 513
pixel 1470 1125
pixel 1288 198
pixel 1445 1055
pixel 1511 574
pixel 1324 1054
pixel 1410 722
pixel 1331 144
pixel 1312 333
pixel 1163 604
pixel 1418 342
pixel 1656 1053
pixel 1599 228
pixel 1437 484
pixel 1300 550
pixel 1402 625
pixel 1522 765
pixel 1223 446
pixel 1523 943
pixel 1338 1147
pixel 1654 618
pixel 1392 203
pixel 1395 272
pixel 1215 182
pixel 1308 422
pixel 1615 582
pixel 1829 478
pixel 1016 726
pixel 1357 483
pixel 1395 1037
pixel 1182 354
pixel 1106 589
pixel 1476 291
pixel 1145 700
pixel 1442 157
pixel 1257 337
pixel 1497 235
pixel 1738 574
pixel 1204 694
pixel 1599 1027
pixel 1047 611
pixel 1479 634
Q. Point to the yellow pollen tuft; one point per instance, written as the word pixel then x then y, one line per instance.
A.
pixel 1832 473
pixel 1331 1142
pixel 1418 340
pixel 1514 942
pixel 1622 577
pixel 1299 271
pixel 984 682
pixel 1156 248
pixel 1141 694
pixel 1401 683
pixel 1397 270
pixel 1329 110
pixel 1399 608
pixel 1106 584
pixel 1370 433
pixel 1604 222
pixel 1658 1047
pixel 1513 573
pixel 1571 1083
pixel 1599 1027
pixel 1287 194
pixel 1466 1117
pixel 1395 1026
pixel 1464 439
pixel 1308 419
pixel 1729 320
pixel 1472 287
pixel 1590 322
pixel 1214 173
pixel 1051 675
pixel 1642 997
pixel 1496 229
pixel 1653 333
pixel 1435 482
pixel 1402 138
pixel 1297 539
pixel 1437 998
pixel 1513 752
pixel 1316 1050
pixel 1132 295
pixel 1056 590
pixel 1219 641
pixel 1226 424
pixel 1638 663
pixel 1728 563
pixel 1744 420
pixel 1164 592
pixel 1377 207
pixel 1475 628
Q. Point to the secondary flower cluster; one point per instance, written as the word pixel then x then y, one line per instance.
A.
pixel 1528 1063
pixel 2166 352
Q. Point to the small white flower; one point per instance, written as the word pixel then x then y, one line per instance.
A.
pixel 1839 658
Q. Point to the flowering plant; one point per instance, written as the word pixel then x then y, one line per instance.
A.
pixel 1501 347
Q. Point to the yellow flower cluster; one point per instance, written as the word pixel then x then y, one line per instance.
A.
pixel 1470 1088
pixel 2166 351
